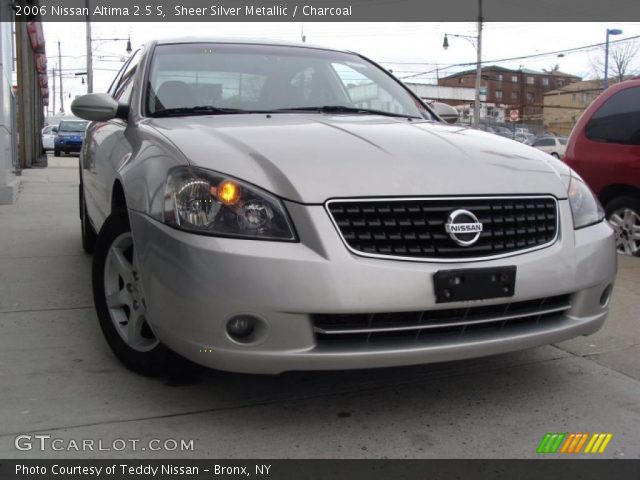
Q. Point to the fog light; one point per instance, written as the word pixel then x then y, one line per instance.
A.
pixel 241 326
pixel 606 295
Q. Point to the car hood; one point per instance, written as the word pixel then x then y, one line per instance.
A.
pixel 310 158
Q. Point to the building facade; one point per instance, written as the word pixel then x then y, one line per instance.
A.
pixel 446 94
pixel 563 107
pixel 8 114
pixel 522 90
pixel 462 98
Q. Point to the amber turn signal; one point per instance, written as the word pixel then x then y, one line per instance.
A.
pixel 228 192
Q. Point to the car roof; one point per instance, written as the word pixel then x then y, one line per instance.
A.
pixel 244 41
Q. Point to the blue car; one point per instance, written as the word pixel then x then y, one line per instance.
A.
pixel 70 136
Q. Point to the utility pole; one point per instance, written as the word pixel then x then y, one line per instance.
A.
pixel 89 51
pixel 21 97
pixel 53 75
pixel 477 43
pixel 60 72
pixel 476 104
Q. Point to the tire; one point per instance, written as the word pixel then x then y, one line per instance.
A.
pixel 88 232
pixel 56 152
pixel 623 214
pixel 141 352
pixel 555 155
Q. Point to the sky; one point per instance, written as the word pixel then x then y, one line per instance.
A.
pixel 406 48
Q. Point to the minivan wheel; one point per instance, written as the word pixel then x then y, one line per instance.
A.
pixel 120 304
pixel 623 214
pixel 88 232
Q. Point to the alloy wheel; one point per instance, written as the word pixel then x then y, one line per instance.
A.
pixel 626 223
pixel 124 295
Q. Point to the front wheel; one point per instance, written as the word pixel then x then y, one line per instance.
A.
pixel 56 152
pixel 623 214
pixel 554 154
pixel 120 302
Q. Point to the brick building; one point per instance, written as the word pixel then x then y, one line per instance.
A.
pixel 521 90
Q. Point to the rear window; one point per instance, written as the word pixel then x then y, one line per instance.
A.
pixel 562 140
pixel 72 126
pixel 617 120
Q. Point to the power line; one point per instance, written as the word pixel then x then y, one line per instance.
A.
pixel 523 57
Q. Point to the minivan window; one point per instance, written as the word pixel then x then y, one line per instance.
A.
pixel 618 119
pixel 244 77
pixel 72 126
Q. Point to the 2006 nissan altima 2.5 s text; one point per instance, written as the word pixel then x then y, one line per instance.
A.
pixel 265 207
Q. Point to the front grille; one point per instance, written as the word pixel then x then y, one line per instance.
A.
pixel 415 228
pixel 370 327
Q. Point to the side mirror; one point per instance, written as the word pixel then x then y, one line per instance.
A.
pixel 98 107
pixel 445 112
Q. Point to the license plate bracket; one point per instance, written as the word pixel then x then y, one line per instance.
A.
pixel 474 283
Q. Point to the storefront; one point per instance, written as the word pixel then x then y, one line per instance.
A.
pixel 8 110
pixel 24 94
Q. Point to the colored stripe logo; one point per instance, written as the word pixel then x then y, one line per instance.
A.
pixel 574 443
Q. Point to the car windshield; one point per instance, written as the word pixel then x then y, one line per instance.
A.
pixel 73 126
pixel 212 78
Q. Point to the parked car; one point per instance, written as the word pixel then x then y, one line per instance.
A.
pixel 256 213
pixel 555 146
pixel 48 137
pixel 503 132
pixel 526 138
pixel 604 148
pixel 70 136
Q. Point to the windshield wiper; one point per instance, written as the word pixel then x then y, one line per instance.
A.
pixel 198 110
pixel 345 109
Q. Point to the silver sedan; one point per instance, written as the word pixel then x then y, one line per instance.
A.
pixel 260 207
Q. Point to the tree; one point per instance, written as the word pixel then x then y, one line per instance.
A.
pixel 624 60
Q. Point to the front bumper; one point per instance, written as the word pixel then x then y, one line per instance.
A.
pixel 68 145
pixel 193 284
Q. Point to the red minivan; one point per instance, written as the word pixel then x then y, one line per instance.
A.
pixel 604 148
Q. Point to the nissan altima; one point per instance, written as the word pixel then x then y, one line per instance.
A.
pixel 264 207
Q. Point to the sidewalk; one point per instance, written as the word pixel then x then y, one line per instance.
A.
pixel 57 375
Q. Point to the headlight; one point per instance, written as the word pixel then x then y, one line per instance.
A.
pixel 207 202
pixel 585 207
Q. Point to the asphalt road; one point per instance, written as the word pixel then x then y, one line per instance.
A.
pixel 57 376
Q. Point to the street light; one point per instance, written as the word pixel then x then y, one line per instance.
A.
pixel 610 31
pixel 102 40
pixel 477 43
